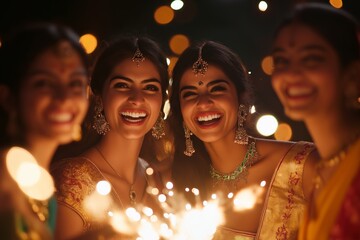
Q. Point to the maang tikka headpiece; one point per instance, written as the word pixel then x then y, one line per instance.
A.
pixel 138 56
pixel 200 66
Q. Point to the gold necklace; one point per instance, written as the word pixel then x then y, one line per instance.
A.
pixel 132 192
pixel 241 171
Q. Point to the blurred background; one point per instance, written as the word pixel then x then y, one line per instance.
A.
pixel 246 26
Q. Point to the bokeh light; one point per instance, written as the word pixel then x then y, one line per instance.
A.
pixel 263 6
pixel 267 65
pixel 336 3
pixel 283 132
pixel 177 4
pixel 89 42
pixel 178 43
pixel 267 125
pixel 164 15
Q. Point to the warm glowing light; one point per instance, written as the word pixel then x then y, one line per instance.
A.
pixel 336 3
pixel 166 108
pixel 263 6
pixel 97 205
pixel 267 125
pixel 177 4
pixel 230 195
pixel 164 15
pixel 133 214
pixel 283 132
pixel 247 198
pixel 89 42
pixel 162 198
pixel 195 191
pixel 148 211
pixel 168 61
pixel 103 187
pixel 169 185
pixel 263 183
pixel 149 171
pixel 173 61
pixel 252 109
pixel 154 191
pixel 267 65
pixel 178 43
pixel 34 181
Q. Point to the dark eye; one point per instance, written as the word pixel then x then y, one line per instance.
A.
pixel 42 83
pixel 77 83
pixel 218 88
pixel 152 88
pixel 188 94
pixel 312 60
pixel 280 62
pixel 121 85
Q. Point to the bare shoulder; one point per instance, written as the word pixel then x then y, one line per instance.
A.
pixel 268 147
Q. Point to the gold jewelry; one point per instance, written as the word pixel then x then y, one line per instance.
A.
pixel 200 65
pixel 132 192
pixel 158 130
pixel 40 208
pixel 100 124
pixel 241 136
pixel 189 148
pixel 138 56
pixel 241 171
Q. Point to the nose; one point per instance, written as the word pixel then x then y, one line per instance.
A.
pixel 205 100
pixel 61 93
pixel 136 97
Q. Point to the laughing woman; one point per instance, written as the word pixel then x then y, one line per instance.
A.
pixel 317 79
pixel 43 82
pixel 210 101
pixel 129 84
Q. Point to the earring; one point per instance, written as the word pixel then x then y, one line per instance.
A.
pixel 241 137
pixel 100 124
pixel 76 134
pixel 189 148
pixel 158 130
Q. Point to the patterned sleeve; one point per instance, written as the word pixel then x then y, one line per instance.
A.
pixel 75 179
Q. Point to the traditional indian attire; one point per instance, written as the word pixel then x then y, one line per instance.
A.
pixel 76 180
pixel 337 207
pixel 285 201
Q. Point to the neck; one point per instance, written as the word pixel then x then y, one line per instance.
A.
pixel 121 154
pixel 225 154
pixel 333 134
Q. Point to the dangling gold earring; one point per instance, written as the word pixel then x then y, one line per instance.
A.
pixel 100 124
pixel 76 134
pixel 158 130
pixel 241 137
pixel 189 148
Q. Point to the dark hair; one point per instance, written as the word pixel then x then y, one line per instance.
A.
pixel 19 49
pixel 25 43
pixel 228 61
pixel 124 48
pixel 336 26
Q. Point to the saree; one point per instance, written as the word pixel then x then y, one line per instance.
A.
pixel 284 203
pixel 338 194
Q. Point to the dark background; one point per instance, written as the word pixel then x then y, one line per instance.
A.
pixel 236 23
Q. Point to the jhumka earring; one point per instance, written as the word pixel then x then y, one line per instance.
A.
pixel 100 124
pixel 200 66
pixel 76 134
pixel 241 137
pixel 158 130
pixel 138 56
pixel 189 148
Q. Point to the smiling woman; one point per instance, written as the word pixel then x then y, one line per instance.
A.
pixel 129 84
pixel 44 77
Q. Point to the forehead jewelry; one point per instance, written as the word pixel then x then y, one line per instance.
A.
pixel 138 56
pixel 200 66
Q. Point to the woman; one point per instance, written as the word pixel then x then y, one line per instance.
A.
pixel 211 99
pixel 317 79
pixel 129 84
pixel 44 78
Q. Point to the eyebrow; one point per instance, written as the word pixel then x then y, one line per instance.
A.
pixel 214 82
pixel 130 80
pixel 305 48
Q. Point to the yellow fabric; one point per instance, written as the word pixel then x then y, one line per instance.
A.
pixel 329 200
pixel 285 201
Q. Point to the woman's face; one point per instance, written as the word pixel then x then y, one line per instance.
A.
pixel 306 74
pixel 209 104
pixel 53 95
pixel 132 98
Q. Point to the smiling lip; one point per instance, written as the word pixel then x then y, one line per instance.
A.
pixel 133 117
pixel 61 118
pixel 208 120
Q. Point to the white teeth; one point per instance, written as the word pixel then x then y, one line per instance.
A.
pixel 134 114
pixel 299 91
pixel 209 117
pixel 62 117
